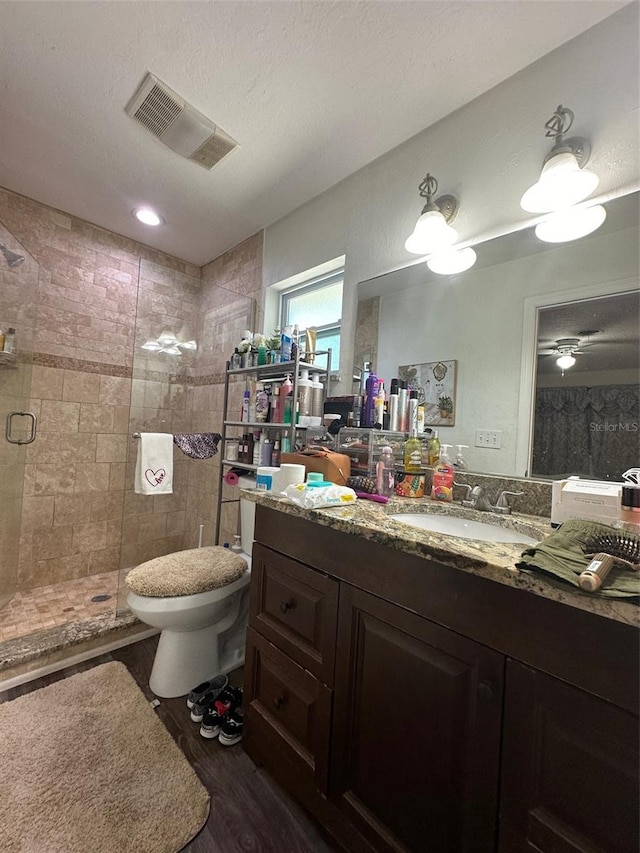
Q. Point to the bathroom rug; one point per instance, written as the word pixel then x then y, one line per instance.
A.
pixel 87 765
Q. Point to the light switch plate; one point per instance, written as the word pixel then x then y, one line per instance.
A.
pixel 489 438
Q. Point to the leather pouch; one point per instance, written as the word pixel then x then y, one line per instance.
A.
pixel 335 467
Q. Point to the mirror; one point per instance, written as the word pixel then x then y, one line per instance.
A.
pixel 487 319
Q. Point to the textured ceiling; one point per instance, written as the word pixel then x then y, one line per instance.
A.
pixel 311 90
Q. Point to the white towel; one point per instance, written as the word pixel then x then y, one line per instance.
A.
pixel 154 464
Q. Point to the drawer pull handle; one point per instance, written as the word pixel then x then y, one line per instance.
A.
pixel 279 702
pixel 287 605
pixel 485 691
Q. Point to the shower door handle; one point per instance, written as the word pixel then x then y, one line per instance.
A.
pixel 32 433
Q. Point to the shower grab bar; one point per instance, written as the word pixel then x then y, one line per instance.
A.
pixel 9 424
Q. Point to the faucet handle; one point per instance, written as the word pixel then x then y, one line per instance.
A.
pixel 502 504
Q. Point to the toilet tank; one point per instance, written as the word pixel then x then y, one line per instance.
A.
pixel 247 516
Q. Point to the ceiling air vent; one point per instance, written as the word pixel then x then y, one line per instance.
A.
pixel 179 125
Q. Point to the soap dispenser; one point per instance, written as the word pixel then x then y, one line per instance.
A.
pixel 460 464
pixel 443 476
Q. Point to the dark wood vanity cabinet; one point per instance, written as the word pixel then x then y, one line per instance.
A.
pixel 416 730
pixel 405 723
pixel 570 765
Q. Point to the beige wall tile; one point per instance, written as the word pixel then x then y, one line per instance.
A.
pixel 54 479
pixel 81 387
pixel 107 505
pixel 46 382
pixel 37 512
pixel 92 477
pixel 114 391
pixel 52 449
pixel 117 476
pixel 64 568
pixel 96 418
pixel 111 448
pixel 52 543
pixel 107 560
pixel 89 537
pixel 56 416
pixel 71 509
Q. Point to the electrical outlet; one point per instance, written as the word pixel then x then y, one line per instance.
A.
pixel 489 438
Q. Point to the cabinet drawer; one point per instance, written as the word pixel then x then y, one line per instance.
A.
pixel 288 707
pixel 295 607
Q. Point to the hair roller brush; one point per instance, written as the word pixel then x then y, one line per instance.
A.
pixel 605 551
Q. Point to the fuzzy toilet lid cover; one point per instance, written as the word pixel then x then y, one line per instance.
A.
pixel 186 572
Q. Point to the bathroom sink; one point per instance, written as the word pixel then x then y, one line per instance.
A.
pixel 462 527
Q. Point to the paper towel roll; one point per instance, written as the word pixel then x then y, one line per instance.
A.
pixel 287 475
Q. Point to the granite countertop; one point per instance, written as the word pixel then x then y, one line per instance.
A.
pixel 493 560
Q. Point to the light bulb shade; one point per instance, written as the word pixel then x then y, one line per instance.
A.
pixel 192 345
pixel 452 261
pixel 565 361
pixel 562 183
pixel 152 346
pixel 571 224
pixel 431 234
pixel 172 350
pixel 167 339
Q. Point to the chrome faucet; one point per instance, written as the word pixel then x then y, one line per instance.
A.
pixel 478 500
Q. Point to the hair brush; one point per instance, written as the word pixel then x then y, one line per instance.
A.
pixel 605 551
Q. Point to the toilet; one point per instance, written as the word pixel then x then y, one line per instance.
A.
pixel 203 632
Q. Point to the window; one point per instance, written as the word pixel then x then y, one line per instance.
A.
pixel 316 304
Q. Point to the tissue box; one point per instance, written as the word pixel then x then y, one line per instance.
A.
pixel 588 499
pixel 335 467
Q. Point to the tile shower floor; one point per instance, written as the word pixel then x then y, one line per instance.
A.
pixel 49 606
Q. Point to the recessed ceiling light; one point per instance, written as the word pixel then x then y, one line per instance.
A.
pixel 148 216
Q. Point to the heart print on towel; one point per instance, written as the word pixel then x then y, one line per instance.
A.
pixel 155 478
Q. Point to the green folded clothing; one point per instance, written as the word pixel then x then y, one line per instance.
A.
pixel 561 555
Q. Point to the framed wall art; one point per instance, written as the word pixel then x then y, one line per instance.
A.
pixel 435 382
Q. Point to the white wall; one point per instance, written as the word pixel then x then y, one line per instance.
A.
pixel 487 153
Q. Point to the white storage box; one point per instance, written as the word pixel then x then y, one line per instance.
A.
pixel 589 499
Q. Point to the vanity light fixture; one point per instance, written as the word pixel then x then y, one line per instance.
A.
pixel 564 180
pixel 168 343
pixel 571 224
pixel 452 261
pixel 432 231
pixel 147 216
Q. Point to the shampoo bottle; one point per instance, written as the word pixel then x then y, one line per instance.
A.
pixel 443 475
pixel 317 396
pixel 305 393
pixel 413 411
pixel 244 416
pixel 286 390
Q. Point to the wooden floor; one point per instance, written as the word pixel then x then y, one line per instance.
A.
pixel 249 812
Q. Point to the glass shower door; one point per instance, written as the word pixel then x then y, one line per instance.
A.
pixel 19 278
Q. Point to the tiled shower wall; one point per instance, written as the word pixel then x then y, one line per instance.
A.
pixel 92 387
